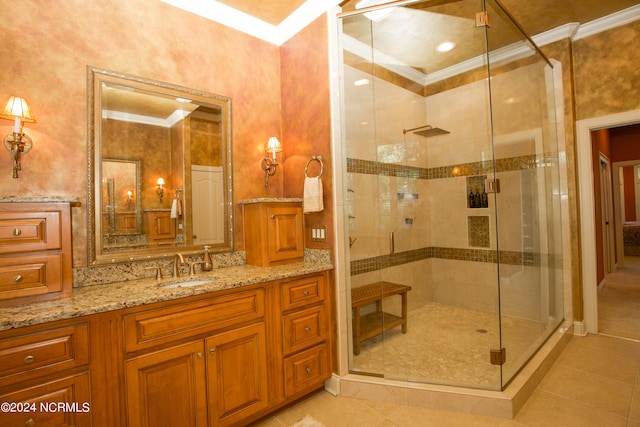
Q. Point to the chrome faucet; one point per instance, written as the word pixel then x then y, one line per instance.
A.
pixel 178 260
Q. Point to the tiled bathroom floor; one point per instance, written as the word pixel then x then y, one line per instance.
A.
pixel 594 383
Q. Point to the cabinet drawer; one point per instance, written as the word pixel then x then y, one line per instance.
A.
pixel 44 352
pixel 298 293
pixel 30 275
pixel 29 231
pixel 306 370
pixel 304 329
pixel 149 328
pixel 40 404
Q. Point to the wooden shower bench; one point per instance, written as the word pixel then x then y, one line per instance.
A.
pixel 372 324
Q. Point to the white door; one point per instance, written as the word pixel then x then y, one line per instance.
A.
pixel 208 204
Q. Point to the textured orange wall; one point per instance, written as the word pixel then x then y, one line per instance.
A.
pixel 47 45
pixel 306 113
pixel 607 72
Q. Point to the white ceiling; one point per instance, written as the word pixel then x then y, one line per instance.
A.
pixel 278 20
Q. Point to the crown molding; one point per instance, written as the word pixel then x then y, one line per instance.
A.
pixel 617 19
pixel 571 31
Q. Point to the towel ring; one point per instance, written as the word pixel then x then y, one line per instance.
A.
pixel 317 159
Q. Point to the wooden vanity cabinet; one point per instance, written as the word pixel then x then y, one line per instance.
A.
pixel 44 367
pixel 274 233
pixel 305 334
pixel 35 252
pixel 226 358
pixel 203 363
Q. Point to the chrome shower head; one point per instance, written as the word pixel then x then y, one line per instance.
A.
pixel 426 131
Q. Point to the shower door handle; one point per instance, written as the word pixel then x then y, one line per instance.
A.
pixel 392 248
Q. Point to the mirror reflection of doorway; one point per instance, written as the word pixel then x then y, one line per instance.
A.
pixel 619 296
pixel 208 205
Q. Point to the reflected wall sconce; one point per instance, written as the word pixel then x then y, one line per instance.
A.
pixel 270 164
pixel 17 143
pixel 160 188
pixel 129 199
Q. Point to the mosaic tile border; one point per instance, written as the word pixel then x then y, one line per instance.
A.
pixel 532 161
pixel 527 259
pixel 508 164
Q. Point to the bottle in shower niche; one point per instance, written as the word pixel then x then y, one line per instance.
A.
pixel 485 199
pixel 208 264
pixel 477 199
pixel 472 199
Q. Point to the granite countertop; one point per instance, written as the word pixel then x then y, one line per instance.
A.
pixel 270 200
pixel 114 296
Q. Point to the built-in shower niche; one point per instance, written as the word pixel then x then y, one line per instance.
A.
pixel 476 194
pixel 478 229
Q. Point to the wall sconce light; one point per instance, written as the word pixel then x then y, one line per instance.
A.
pixel 160 188
pixel 17 143
pixel 269 164
pixel 129 199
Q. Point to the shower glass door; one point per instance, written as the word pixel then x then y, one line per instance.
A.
pixel 421 227
pixel 526 155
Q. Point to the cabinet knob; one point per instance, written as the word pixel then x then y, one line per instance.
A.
pixel 307 329
pixel 308 370
pixel 306 293
pixel 17 232
pixel 212 350
pixel 30 422
pixel 273 217
pixel 17 278
pixel 199 355
pixel 29 359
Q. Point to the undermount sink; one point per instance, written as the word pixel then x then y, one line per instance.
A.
pixel 187 284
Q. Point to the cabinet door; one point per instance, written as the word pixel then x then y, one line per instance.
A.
pixel 237 368
pixel 285 233
pixel 167 388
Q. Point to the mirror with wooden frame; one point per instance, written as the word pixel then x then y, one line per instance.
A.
pixel 160 170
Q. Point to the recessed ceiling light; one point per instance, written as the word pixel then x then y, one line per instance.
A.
pixel 361 82
pixel 445 47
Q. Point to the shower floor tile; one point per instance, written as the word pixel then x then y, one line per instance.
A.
pixel 449 345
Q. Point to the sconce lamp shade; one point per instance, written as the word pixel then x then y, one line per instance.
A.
pixel 160 181
pixel 16 107
pixel 273 145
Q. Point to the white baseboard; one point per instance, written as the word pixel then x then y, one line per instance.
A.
pixel 332 385
pixel 579 329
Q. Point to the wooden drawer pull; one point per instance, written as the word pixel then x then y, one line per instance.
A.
pixel 17 278
pixel 29 359
pixel 308 370
pixel 306 293
pixel 30 423
pixel 17 232
pixel 307 329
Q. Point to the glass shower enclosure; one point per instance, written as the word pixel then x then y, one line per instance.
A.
pixel 451 196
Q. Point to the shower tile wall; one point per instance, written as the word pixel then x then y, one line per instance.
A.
pixel 439 214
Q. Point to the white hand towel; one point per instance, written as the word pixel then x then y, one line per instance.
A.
pixel 313 195
pixel 174 209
